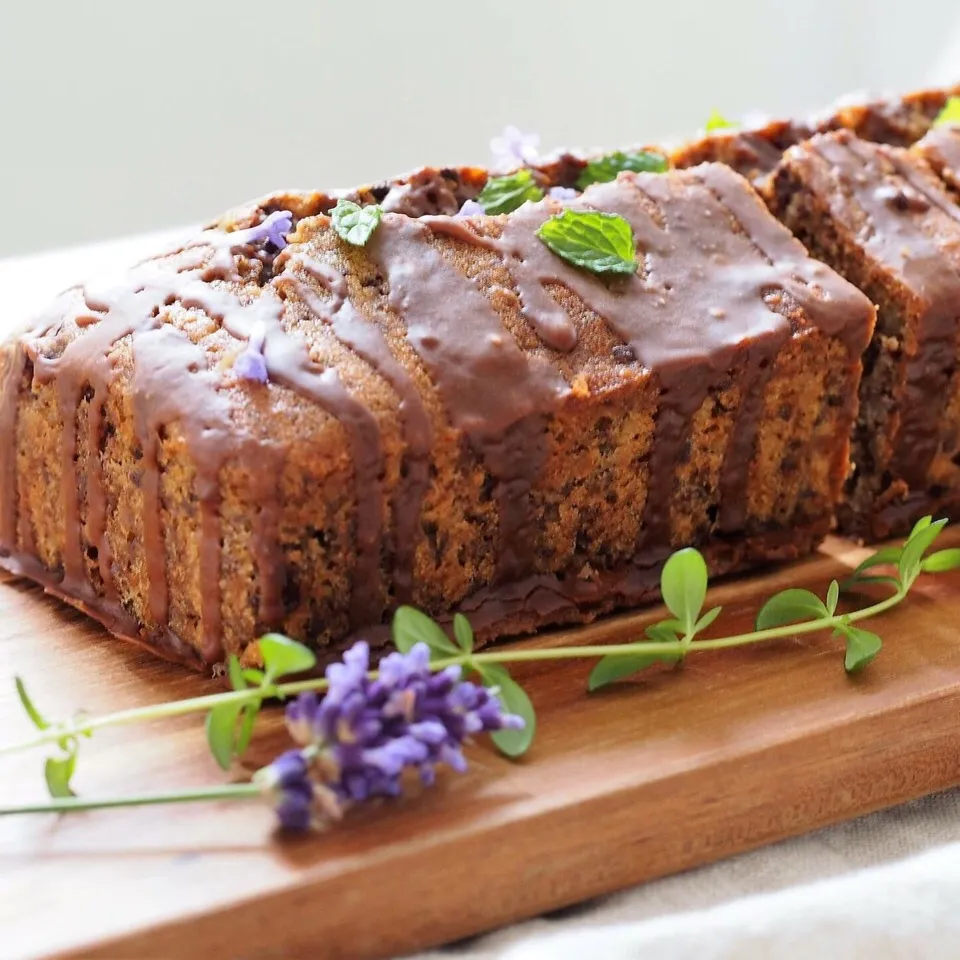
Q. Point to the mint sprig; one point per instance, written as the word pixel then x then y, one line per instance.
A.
pixel 950 114
pixel 596 241
pixel 717 121
pixel 605 168
pixel 506 194
pixel 354 223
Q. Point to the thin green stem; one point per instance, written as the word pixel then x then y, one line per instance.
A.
pixel 503 655
pixel 232 791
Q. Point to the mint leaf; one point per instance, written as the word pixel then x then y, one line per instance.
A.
pixel 716 121
pixel 862 647
pixel 606 168
pixel 683 584
pixel 950 114
pixel 707 619
pixel 505 194
pixel 32 712
pixel 283 656
pixel 354 223
pixel 514 699
pixel 254 676
pixel 463 632
pixel 942 560
pixel 598 242
pixel 790 606
pixel 610 669
pixel 221 732
pixel 921 539
pixel 411 627
pixel 57 771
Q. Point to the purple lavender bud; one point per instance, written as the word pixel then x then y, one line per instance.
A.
pixel 287 782
pixel 562 193
pixel 368 731
pixel 513 148
pixel 250 363
pixel 271 230
pixel 470 208
pixel 300 716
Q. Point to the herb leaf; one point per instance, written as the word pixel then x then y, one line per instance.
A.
pixel 463 632
pixel 610 669
pixel 833 596
pixel 598 242
pixel 950 114
pixel 283 656
pixel 506 194
pixel 32 712
pixel 716 121
pixel 884 556
pixel 789 606
pixel 606 168
pixel 666 631
pixel 942 560
pixel 245 734
pixel 514 699
pixel 221 732
pixel 683 584
pixel 916 546
pixel 707 619
pixel 235 673
pixel 57 771
pixel 862 647
pixel 411 627
pixel 354 223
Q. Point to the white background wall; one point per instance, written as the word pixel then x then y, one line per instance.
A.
pixel 120 116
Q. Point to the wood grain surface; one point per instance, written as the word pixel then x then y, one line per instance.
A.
pixel 677 768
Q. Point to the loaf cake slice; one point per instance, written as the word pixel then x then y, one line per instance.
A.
pixel 881 217
pixel 755 151
pixel 451 416
pixel 940 149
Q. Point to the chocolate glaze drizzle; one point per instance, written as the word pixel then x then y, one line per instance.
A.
pixel 697 310
pixel 899 241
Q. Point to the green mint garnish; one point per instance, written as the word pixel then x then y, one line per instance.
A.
pixel 606 168
pixel 717 121
pixel 950 114
pixel 354 223
pixel 505 194
pixel 598 242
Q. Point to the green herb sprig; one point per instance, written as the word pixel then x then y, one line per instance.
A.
pixel 604 169
pixel 354 223
pixel 593 240
pixel 717 121
pixel 231 716
pixel 950 114
pixel 506 194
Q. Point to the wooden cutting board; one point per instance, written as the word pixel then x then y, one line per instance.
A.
pixel 736 749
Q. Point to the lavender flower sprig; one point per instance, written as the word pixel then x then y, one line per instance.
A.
pixel 416 712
